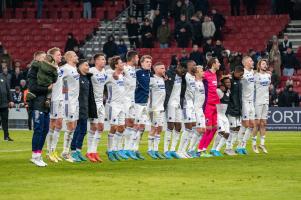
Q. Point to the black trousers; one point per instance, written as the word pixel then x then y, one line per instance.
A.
pixel 4 121
pixel 235 7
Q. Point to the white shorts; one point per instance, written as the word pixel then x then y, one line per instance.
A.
pixel 56 109
pixel 129 110
pixel 189 114
pixel 200 119
pixel 174 114
pixel 234 121
pixel 100 114
pixel 248 110
pixel 71 112
pixel 116 114
pixel 261 111
pixel 157 118
pixel 141 116
pixel 223 123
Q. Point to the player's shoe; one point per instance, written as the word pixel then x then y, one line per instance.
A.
pixel 244 151
pixel 116 155
pixel 230 152
pixel 218 153
pixel 263 148
pixel 67 157
pixel 52 157
pixel 167 155
pixel 192 154
pixel 131 154
pixel 186 154
pixel 181 154
pixel 111 156
pixel 139 155
pixel 81 157
pixel 212 151
pixel 91 157
pixel 97 157
pixel 37 162
pixel 122 154
pixel 239 151
pixel 152 154
pixel 159 155
pixel 255 149
pixel 204 154
pixel 174 155
pixel 75 157
pixel 55 154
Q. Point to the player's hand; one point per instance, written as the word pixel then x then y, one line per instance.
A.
pixel 50 87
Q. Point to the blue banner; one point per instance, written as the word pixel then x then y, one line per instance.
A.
pixel 284 119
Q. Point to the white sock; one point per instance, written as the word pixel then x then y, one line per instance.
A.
pixel 174 140
pixel 151 143
pixel 194 140
pixel 96 140
pixel 55 139
pixel 183 140
pixel 138 138
pixel 49 140
pixel 110 142
pixel 198 141
pixel 254 140
pixel 67 140
pixel 262 140
pixel 157 142
pixel 167 138
pixel 240 136
pixel 246 137
pixel 228 142
pixel 221 144
pixel 116 140
pixel 120 143
pixel 233 139
pixel 188 138
pixel 90 141
pixel 127 137
pixel 216 141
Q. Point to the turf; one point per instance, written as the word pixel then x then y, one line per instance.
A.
pixel 273 176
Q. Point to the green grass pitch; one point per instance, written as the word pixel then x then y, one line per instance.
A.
pixel 276 175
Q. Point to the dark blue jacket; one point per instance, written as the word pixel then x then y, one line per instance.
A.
pixel 142 86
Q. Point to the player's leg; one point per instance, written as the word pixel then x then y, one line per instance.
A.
pixel 90 139
pixel 111 143
pixel 119 134
pixel 213 123
pixel 158 123
pixel 198 132
pixel 234 128
pixel 170 118
pixel 225 136
pixel 128 138
pixel 176 126
pixel 70 128
pixel 249 130
pixel 244 125
pixel 219 135
pixel 254 134
pixel 150 142
pixel 56 136
pixel 141 119
pixel 76 134
pixel 263 122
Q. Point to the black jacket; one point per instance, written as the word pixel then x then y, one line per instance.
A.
pixel 169 83
pixel 87 105
pixel 5 96
pixel 235 104
pixel 37 103
pixel 290 61
pixel 197 57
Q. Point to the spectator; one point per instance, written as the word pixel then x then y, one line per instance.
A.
pixel 122 48
pixel 71 42
pixel 29 112
pixel 5 102
pixel 163 7
pixel 208 47
pixel 1 49
pixel 235 59
pixel 275 79
pixel 273 96
pixel 235 7
pixel 196 55
pixel 250 6
pixel 5 57
pixel 288 98
pixel 217 50
pixel 174 60
pixel 290 63
pixel 275 58
pixel 187 9
pixel 16 77
pixel 40 9
pixel 157 22
pixel 163 34
pixel 196 24
pixel 23 85
pixel 183 32
pixel 184 56
pixel 110 48
pixel 79 54
pixel 178 11
pixel 208 28
pixel 133 32
pixel 146 34
pixel 139 8
pixel 87 9
pixel 219 22
pixel 285 44
pixel 17 97
pixel 202 5
pixel 6 74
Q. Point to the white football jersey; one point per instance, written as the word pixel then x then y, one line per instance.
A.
pixel 190 89
pixel 57 89
pixel 248 86
pixel 98 80
pixel 174 99
pixel 130 82
pixel 116 90
pixel 262 83
pixel 70 78
pixel 157 93
pixel 199 97
pixel 222 107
